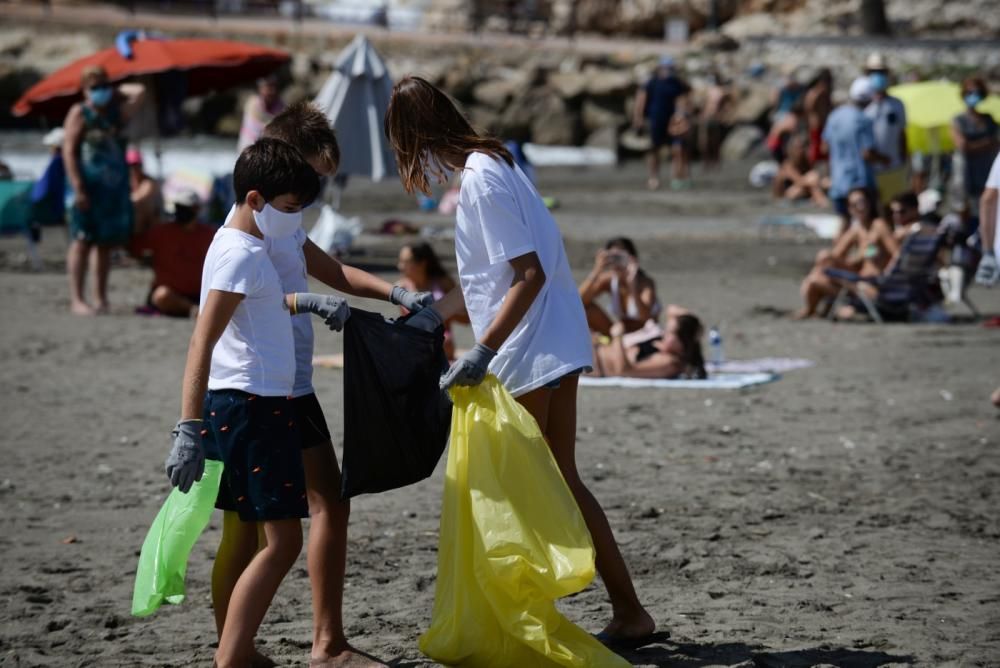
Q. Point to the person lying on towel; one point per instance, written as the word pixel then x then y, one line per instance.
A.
pixel 673 351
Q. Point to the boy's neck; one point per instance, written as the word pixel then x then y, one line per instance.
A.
pixel 243 221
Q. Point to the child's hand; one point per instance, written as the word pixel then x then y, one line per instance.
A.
pixel 186 462
pixel 470 368
pixel 427 319
pixel 411 301
pixel 333 310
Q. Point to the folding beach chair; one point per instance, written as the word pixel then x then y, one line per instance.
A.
pixel 908 285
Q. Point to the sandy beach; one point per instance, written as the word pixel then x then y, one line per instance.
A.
pixel 845 515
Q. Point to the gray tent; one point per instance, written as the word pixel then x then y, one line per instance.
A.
pixel 355 98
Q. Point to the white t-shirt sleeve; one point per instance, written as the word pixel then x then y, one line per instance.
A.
pixel 993 180
pixel 236 271
pixel 505 232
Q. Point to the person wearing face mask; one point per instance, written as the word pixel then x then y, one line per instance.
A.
pixel 975 135
pixel 94 155
pixel 176 251
pixel 236 405
pixel 888 116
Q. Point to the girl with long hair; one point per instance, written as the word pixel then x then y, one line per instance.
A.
pixel 520 296
pixel 672 352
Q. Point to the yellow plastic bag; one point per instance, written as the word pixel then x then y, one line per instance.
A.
pixel 512 541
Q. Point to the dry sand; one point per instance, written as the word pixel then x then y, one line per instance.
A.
pixel 845 515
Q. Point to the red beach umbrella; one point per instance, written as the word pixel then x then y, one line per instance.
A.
pixel 208 65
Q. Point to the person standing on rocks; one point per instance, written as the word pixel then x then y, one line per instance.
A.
pixel 94 155
pixel 654 107
pixel 888 116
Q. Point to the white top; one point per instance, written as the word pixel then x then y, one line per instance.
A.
pixel 993 181
pixel 888 117
pixel 290 262
pixel 254 353
pixel 501 217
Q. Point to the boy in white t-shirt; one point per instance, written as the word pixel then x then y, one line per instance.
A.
pixel 295 258
pixel 516 286
pixel 239 374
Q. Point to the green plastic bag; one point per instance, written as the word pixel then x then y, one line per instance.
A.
pixel 164 556
pixel 512 541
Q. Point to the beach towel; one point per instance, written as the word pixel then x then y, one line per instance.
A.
pixel 762 365
pixel 512 541
pixel 722 381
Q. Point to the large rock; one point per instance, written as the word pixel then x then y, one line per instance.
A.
pixel 752 105
pixel 603 138
pixel 57 50
pixel 741 142
pixel 608 83
pixel 552 123
pixel 634 17
pixel 569 85
pixel 498 92
pixel 601 113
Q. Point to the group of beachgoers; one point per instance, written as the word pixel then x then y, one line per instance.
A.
pixel 247 394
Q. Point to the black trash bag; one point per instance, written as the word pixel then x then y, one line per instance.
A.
pixel 396 419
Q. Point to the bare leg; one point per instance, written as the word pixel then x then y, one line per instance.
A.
pixel 254 591
pixel 76 269
pixel 555 412
pixel 653 168
pixel 598 320
pixel 101 257
pixel 814 288
pixel 327 559
pixel 170 302
pixel 236 550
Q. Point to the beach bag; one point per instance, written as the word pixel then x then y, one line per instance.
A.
pixel 395 416
pixel 164 555
pixel 512 541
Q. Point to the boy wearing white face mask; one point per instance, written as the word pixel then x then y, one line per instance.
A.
pixel 238 377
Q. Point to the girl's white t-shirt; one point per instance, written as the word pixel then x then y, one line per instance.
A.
pixel 501 217
pixel 255 353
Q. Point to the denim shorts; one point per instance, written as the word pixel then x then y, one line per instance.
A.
pixel 258 441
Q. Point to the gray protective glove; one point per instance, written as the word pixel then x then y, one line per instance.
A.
pixel 988 272
pixel 333 310
pixel 426 319
pixel 186 462
pixel 470 368
pixel 411 301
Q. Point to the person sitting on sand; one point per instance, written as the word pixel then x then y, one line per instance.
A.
pixel 653 352
pixel 866 248
pixel 797 179
pixel 176 252
pixel 632 292
pixel 422 272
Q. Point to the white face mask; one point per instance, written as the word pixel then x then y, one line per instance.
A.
pixel 277 224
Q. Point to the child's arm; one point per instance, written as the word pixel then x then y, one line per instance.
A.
pixel 348 280
pixel 186 461
pixel 529 277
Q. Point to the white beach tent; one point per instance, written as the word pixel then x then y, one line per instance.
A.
pixel 355 99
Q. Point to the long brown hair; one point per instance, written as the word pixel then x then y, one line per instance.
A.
pixel 422 121
pixel 689 331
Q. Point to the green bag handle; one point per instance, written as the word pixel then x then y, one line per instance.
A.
pixel 171 537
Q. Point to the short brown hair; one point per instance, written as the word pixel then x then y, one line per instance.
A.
pixel 308 129
pixel 93 74
pixel 274 168
pixel 422 121
pixel 975 83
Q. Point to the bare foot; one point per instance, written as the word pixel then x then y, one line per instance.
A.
pixel 103 308
pixel 347 658
pixel 995 398
pixel 802 314
pixel 81 308
pixel 653 184
pixel 622 627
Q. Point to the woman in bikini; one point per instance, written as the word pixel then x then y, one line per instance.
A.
pixel 865 248
pixel 421 271
pixel 632 292
pixel 652 352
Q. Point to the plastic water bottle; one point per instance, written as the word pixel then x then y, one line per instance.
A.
pixel 716 356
